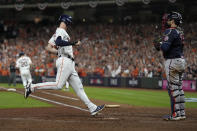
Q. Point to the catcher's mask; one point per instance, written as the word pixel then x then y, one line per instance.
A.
pixel 171 16
pixel 176 17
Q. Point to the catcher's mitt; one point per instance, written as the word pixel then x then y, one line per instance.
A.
pixel 157 43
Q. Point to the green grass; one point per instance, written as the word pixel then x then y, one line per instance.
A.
pixel 137 97
pixel 5 85
pixel 134 97
pixel 15 100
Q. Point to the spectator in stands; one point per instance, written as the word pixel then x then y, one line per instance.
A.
pixel 129 47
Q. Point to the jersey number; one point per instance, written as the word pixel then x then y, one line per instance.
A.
pixel 24 64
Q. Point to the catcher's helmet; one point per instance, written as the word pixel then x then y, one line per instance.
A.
pixel 176 17
pixel 21 54
pixel 66 19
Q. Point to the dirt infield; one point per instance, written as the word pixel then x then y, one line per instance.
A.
pixel 70 114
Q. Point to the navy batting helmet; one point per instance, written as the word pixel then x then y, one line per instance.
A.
pixel 21 54
pixel 176 17
pixel 66 19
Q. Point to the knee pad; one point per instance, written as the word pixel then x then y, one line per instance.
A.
pixel 181 92
pixel 173 90
pixel 176 96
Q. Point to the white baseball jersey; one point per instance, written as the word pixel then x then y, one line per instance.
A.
pixel 65 71
pixel 64 35
pixel 23 63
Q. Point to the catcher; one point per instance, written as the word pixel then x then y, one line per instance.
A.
pixel 171 44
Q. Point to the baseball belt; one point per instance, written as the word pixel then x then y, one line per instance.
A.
pixel 68 56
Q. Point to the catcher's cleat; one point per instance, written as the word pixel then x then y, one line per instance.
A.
pixel 171 118
pixel 98 109
pixel 27 90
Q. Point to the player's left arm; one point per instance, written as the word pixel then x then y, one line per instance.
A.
pixel 30 62
pixel 60 42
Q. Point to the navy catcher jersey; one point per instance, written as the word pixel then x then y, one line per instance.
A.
pixel 172 45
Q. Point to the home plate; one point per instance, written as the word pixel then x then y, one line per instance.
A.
pixel 111 118
pixel 112 106
pixel 11 89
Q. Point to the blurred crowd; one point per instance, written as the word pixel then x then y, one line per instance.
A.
pixel 107 50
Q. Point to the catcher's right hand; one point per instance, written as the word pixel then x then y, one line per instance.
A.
pixel 157 43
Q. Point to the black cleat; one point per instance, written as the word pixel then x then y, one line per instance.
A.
pixel 98 109
pixel 171 118
pixel 27 91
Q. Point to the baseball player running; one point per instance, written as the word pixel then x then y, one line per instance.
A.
pixel 24 63
pixel 172 48
pixel 60 43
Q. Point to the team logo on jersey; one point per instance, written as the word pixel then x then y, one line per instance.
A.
pixel 166 38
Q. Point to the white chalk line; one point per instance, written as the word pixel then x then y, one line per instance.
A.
pixel 55 102
pixel 59 103
pixel 71 98
pixel 39 120
pixel 52 101
pixel 48 93
pixel 60 121
pixel 191 99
